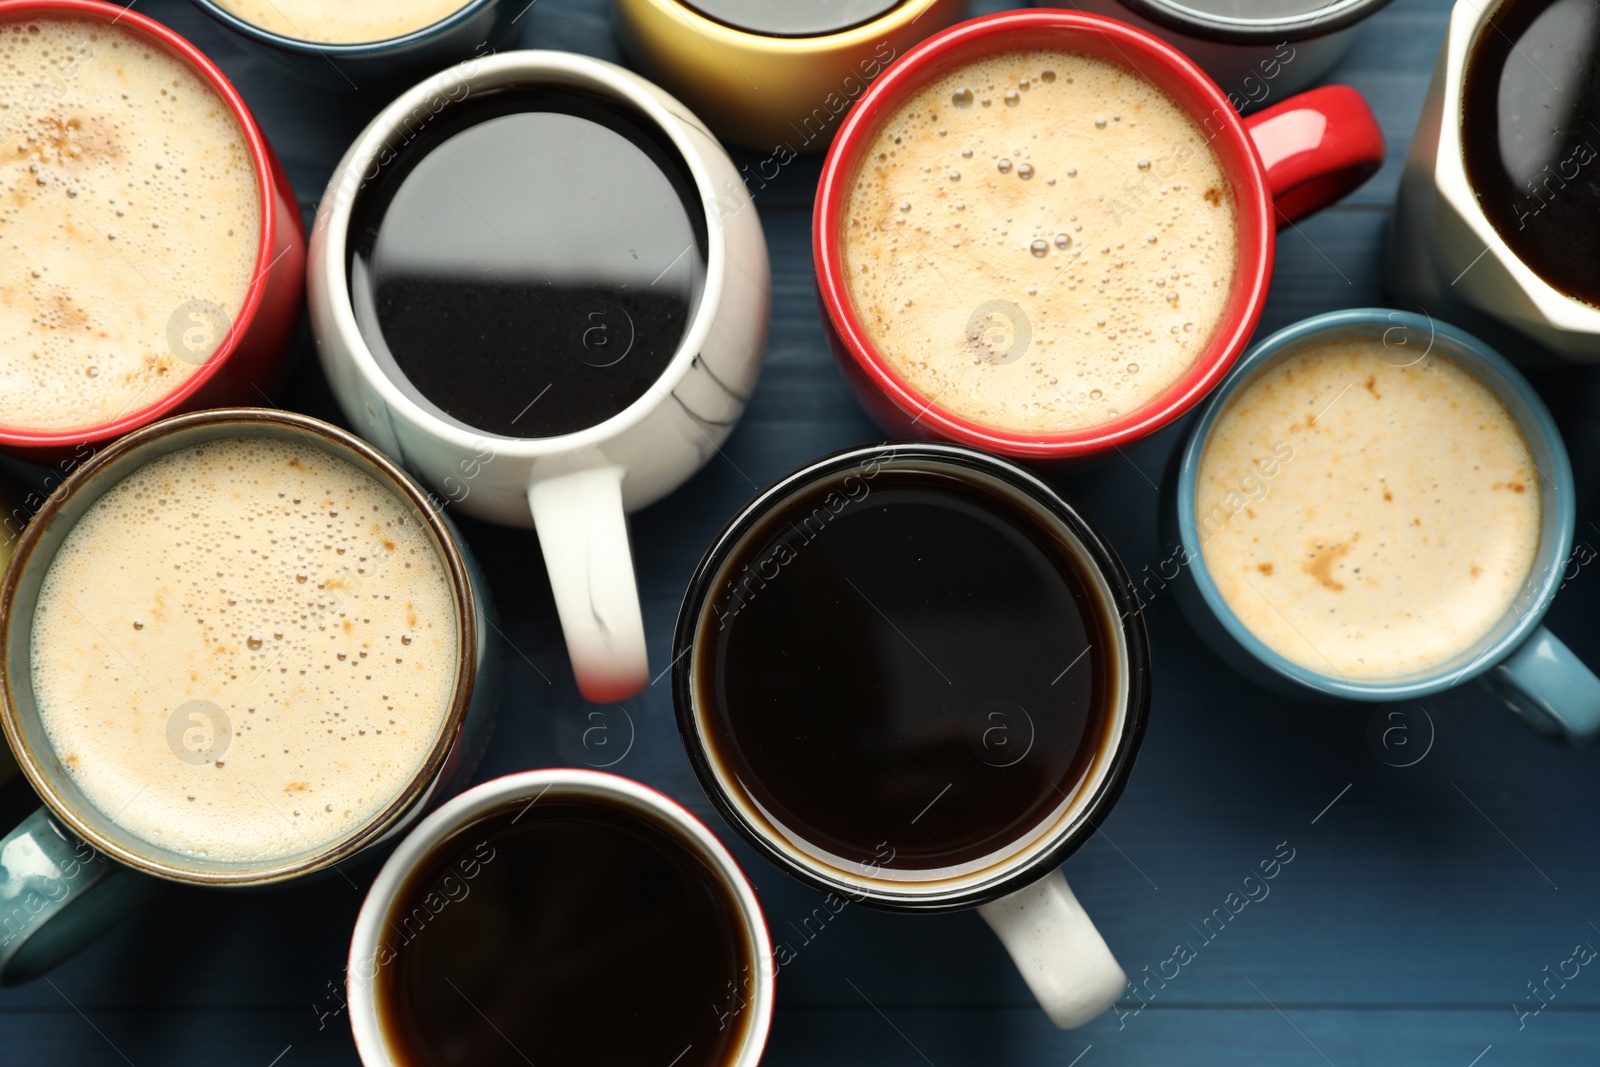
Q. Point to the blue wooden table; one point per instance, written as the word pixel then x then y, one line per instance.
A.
pixel 1433 883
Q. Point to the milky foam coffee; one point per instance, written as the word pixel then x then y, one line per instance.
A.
pixel 1365 514
pixel 127 196
pixel 342 21
pixel 272 581
pixel 1052 188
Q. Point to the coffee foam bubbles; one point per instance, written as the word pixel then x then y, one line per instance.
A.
pixel 1365 514
pixel 284 587
pixel 127 193
pixel 342 21
pixel 1056 188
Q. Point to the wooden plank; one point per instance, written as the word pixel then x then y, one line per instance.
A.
pixel 913 1036
pixel 885 1034
pixel 1414 914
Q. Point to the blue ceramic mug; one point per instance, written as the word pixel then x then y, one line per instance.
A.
pixel 1517 659
pixel 72 870
pixel 476 28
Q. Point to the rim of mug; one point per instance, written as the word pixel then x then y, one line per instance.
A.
pixel 345 50
pixel 467 807
pixel 1483 363
pixel 691 18
pixel 523 67
pixel 1449 171
pixel 87 823
pixel 988 35
pixel 1231 29
pixel 272 220
pixel 1103 782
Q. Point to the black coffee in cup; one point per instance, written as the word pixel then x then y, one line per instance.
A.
pixel 563 932
pixel 1530 133
pixel 906 668
pixel 530 260
pixel 792 18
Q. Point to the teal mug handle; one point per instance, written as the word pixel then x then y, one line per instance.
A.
pixel 1550 689
pixel 57 894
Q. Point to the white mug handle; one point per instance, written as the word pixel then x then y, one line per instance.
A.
pixel 583 533
pixel 1055 945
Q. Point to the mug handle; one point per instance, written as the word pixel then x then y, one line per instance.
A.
pixel 1550 689
pixel 583 533
pixel 57 894
pixel 1055 945
pixel 1316 147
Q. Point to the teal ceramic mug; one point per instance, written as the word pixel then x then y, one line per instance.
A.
pixel 1508 649
pixel 192 694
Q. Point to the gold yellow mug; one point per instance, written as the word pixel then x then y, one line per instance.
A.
pixel 773 75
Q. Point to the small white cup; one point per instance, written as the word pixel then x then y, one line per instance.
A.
pixel 1444 254
pixel 575 489
pixel 366 946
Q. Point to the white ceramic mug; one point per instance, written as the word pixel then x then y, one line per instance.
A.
pixel 368 949
pixel 1444 254
pixel 575 489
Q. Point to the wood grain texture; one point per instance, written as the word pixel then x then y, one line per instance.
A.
pixel 1414 913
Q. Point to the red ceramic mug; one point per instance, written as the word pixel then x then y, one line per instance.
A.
pixel 1282 163
pixel 252 353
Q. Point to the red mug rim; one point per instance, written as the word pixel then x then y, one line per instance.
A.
pixel 1179 79
pixel 170 41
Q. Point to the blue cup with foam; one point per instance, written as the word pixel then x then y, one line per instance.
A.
pixel 1376 506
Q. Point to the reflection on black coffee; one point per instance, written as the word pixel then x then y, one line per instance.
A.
pixel 563 933
pixel 1530 108
pixel 531 260
pixel 793 18
pixel 904 669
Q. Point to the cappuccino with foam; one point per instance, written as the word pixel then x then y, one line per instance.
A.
pixel 342 21
pixel 130 223
pixel 1040 241
pixel 245 650
pixel 1368 515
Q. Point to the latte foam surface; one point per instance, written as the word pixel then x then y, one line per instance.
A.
pixel 1040 241
pixel 342 21
pixel 130 223
pixel 1366 514
pixel 267 581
